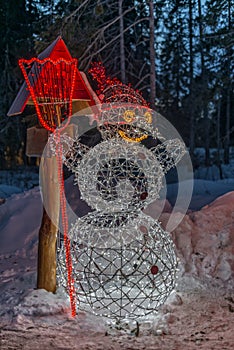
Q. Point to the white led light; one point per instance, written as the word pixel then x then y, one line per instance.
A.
pixel 124 263
pixel 118 280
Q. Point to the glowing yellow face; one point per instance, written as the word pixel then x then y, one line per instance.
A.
pixel 148 117
pixel 129 117
pixel 130 138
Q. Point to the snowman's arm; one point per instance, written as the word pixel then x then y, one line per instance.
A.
pixel 169 153
pixel 72 149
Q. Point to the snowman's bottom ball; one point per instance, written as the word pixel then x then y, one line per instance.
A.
pixel 129 280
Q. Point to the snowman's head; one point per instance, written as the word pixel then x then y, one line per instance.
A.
pixel 125 169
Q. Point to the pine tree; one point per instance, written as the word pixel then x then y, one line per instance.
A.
pixel 220 44
pixel 115 32
pixel 16 30
pixel 174 72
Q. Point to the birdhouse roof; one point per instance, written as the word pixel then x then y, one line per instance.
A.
pixel 82 90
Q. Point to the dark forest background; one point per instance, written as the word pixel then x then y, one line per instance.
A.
pixel 178 53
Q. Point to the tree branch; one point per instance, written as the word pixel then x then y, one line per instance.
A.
pixel 109 42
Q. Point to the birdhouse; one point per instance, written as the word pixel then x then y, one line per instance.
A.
pixel 83 98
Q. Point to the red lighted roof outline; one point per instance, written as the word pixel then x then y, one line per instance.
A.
pixel 82 90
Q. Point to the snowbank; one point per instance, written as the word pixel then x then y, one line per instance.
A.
pixel 205 241
pixel 20 218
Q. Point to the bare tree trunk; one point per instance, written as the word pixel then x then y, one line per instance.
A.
pixel 207 134
pixel 227 128
pixel 204 87
pixel 218 138
pixel 152 56
pixel 228 105
pixel 192 123
pixel 122 52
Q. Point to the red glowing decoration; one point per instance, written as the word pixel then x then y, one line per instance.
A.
pixel 154 270
pixel 144 195
pixel 64 219
pixel 51 85
pixel 98 72
pixel 113 90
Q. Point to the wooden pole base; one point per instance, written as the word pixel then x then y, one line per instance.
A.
pixel 46 269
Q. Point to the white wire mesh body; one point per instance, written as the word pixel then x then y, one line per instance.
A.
pixel 116 175
pixel 124 263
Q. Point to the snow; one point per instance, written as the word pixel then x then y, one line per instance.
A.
pixel 20 215
pixel 7 191
pixel 205 241
pixel 204 191
pixel 20 218
pixel 199 313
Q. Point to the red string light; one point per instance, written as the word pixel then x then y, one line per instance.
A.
pixel 51 86
pixel 116 90
pixel 98 72
pixel 50 83
pixel 64 219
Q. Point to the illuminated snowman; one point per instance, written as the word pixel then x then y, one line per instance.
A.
pixel 124 263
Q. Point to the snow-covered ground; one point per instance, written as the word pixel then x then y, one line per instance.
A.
pixel 200 313
pixel 193 319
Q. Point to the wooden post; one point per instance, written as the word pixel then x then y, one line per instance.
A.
pixel 46 277
pixel 46 270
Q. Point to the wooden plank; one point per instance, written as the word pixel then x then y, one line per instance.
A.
pixel 36 140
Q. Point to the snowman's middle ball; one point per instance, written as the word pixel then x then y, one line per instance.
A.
pixel 117 175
